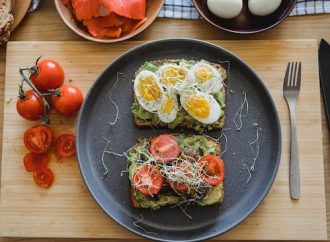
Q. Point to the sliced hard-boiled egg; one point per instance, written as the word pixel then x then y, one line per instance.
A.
pixel 172 75
pixel 148 90
pixel 201 106
pixel 169 107
pixel 206 77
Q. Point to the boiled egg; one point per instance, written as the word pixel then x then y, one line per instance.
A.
pixel 201 106
pixel 206 78
pixel 172 75
pixel 263 7
pixel 225 8
pixel 148 90
pixel 169 107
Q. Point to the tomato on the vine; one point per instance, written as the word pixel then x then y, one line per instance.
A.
pixel 38 139
pixel 68 101
pixel 30 106
pixel 49 75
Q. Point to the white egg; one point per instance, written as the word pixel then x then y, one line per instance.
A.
pixel 148 90
pixel 263 7
pixel 173 76
pixel 169 107
pixel 206 78
pixel 225 8
pixel 202 107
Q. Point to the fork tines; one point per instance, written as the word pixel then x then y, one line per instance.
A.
pixel 292 75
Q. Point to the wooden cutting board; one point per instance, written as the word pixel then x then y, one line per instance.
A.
pixel 67 209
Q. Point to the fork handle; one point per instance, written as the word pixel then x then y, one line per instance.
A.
pixel 294 160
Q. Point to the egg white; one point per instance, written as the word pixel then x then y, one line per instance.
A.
pixel 171 116
pixel 226 8
pixel 151 106
pixel 212 85
pixel 215 110
pixel 180 83
pixel 262 7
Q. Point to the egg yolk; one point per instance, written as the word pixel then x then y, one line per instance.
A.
pixel 172 75
pixel 203 74
pixel 149 89
pixel 168 105
pixel 198 106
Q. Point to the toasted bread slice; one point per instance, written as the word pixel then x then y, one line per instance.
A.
pixel 6 19
pixel 186 123
pixel 214 195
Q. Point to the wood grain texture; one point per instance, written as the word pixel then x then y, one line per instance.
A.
pixel 67 210
pixel 45 24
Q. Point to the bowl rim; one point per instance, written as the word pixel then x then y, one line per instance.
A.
pixel 91 38
pixel 207 19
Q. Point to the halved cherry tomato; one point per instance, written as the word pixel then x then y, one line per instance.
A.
pixel 148 180
pixel 50 75
pixel 164 148
pixel 66 145
pixel 30 106
pixel 213 169
pixel 68 101
pixel 35 162
pixel 44 177
pixel 38 139
pixel 185 173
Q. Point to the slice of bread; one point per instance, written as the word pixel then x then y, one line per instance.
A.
pixel 185 124
pixel 214 195
pixel 6 19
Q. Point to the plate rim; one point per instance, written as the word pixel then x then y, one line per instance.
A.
pixel 259 81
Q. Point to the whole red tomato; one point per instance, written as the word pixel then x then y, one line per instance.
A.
pixel 68 101
pixel 30 105
pixel 50 75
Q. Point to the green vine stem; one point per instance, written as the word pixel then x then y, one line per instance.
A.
pixel 26 80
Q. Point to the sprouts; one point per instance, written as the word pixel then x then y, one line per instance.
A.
pixel 136 224
pixel 109 94
pixel 239 114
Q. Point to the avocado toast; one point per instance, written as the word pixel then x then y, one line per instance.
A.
pixel 171 169
pixel 186 94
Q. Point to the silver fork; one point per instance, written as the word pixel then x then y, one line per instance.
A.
pixel 291 88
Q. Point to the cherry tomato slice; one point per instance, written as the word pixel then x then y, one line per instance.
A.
pixel 164 148
pixel 185 173
pixel 148 180
pixel 213 169
pixel 38 139
pixel 49 76
pixel 30 106
pixel 69 100
pixel 44 177
pixel 34 162
pixel 66 145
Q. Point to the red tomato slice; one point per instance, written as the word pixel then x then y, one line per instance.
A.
pixel 148 180
pixel 164 148
pixel 66 145
pixel 38 139
pixel 213 169
pixel 34 162
pixel 44 177
pixel 185 170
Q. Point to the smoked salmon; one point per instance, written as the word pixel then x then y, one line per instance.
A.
pixel 109 18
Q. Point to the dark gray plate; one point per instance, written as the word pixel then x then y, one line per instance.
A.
pixel 111 192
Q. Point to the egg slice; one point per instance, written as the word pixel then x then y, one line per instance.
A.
pixel 172 75
pixel 169 107
pixel 148 90
pixel 206 77
pixel 202 107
